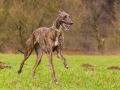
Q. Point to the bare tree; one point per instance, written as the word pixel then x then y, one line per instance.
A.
pixel 100 14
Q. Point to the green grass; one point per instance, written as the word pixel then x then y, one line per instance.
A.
pixel 74 78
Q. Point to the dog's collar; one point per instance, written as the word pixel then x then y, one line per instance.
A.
pixel 58 30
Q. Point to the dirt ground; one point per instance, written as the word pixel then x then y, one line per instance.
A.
pixel 113 68
pixel 88 66
pixel 2 65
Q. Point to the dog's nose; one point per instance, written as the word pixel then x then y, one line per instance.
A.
pixel 71 23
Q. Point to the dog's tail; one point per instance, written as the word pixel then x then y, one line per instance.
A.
pixel 21 51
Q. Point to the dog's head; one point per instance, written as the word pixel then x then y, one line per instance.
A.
pixel 64 20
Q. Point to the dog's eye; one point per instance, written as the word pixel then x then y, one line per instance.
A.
pixel 65 16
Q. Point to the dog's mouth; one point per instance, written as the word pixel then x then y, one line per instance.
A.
pixel 65 26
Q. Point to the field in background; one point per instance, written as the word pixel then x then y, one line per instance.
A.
pixel 84 73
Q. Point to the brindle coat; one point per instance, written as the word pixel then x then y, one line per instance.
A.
pixel 43 40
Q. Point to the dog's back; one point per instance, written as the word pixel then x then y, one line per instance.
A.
pixel 43 37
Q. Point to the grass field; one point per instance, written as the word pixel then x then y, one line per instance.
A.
pixel 77 77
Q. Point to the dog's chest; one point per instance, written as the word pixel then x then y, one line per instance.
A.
pixel 56 39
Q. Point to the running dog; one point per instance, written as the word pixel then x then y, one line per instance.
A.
pixel 48 40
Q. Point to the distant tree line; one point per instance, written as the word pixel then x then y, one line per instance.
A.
pixel 96 23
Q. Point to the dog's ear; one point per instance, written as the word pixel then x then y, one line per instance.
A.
pixel 63 11
pixel 60 12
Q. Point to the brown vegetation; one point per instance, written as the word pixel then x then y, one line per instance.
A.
pixel 93 21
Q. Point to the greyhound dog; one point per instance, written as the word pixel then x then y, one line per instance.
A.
pixel 48 40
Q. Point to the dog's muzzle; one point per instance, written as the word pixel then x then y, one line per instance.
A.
pixel 71 23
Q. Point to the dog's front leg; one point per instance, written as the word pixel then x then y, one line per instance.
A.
pixel 49 54
pixel 60 55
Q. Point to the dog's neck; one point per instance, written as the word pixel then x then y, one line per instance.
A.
pixel 56 24
pixel 58 28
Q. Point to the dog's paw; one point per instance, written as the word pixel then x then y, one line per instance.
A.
pixel 19 71
pixel 67 66
pixel 56 83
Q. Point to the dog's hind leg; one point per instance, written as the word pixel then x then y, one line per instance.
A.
pixel 60 55
pixel 39 53
pixel 28 51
